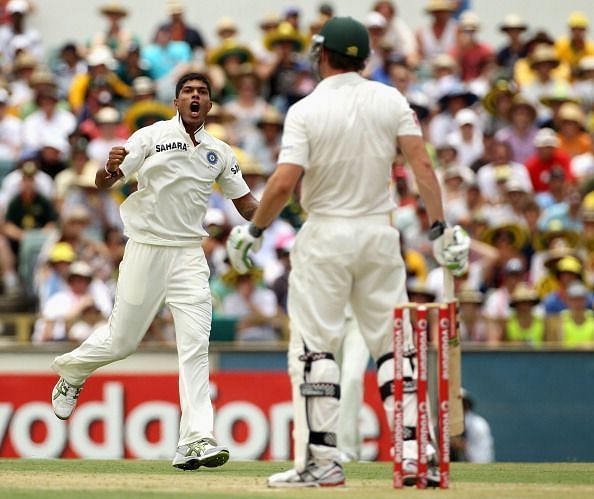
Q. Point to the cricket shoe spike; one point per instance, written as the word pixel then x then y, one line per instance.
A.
pixel 409 473
pixel 64 398
pixel 315 475
pixel 203 452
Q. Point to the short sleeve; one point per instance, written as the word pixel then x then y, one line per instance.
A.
pixel 230 179
pixel 138 147
pixel 408 122
pixel 294 145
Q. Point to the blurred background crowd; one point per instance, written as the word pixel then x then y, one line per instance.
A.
pixel 509 128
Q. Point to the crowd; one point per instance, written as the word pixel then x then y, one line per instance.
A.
pixel 509 128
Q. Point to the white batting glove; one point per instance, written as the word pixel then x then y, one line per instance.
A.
pixel 239 245
pixel 451 249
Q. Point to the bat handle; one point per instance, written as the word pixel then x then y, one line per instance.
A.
pixel 448 285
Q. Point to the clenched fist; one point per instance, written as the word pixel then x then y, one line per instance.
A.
pixel 116 156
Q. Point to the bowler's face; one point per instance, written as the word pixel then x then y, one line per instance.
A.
pixel 193 102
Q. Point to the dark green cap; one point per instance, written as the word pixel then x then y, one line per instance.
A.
pixel 346 36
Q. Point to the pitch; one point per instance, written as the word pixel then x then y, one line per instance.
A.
pixel 69 479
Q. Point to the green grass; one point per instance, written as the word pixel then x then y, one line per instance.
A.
pixel 69 479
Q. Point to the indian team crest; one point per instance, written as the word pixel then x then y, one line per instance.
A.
pixel 212 157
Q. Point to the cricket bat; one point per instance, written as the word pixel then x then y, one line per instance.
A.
pixel 455 358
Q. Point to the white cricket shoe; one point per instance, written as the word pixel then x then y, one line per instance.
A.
pixel 64 397
pixel 203 452
pixel 410 469
pixel 329 475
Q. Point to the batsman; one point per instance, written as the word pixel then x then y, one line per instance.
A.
pixel 340 141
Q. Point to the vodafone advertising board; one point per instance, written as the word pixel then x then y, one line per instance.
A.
pixel 137 416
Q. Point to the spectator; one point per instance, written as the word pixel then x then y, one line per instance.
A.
pixel 21 92
pixel 439 36
pixel 571 49
pixel 521 131
pixel 67 179
pixel 69 65
pixel 71 305
pixel 132 66
pixel 473 327
pixel 116 37
pixel 10 131
pixel 107 121
pixel 226 29
pixel 48 120
pixel 488 174
pixel 513 26
pixel 99 85
pixel 27 210
pixel 569 269
pixel 164 54
pixel 548 158
pixel 497 305
pixel 398 34
pixel 543 61
pixel 497 102
pixel 454 98
pixel 478 445
pixel 577 322
pixel 254 307
pixel 472 54
pixel 573 137
pixel 15 37
pixel 247 106
pixel 468 137
pixel 265 143
pixel 180 31
pixel 284 77
pixel 230 56
pixel 582 86
pixel 145 108
pixel 52 277
pixel 376 25
pixel 526 322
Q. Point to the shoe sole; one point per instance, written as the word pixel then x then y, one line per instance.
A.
pixel 303 485
pixel 213 461
pixel 63 418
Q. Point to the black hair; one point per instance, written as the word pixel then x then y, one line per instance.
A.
pixel 344 62
pixel 188 77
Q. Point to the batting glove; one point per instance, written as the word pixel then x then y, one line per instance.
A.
pixel 240 243
pixel 451 249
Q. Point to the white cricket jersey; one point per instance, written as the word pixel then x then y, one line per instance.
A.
pixel 344 135
pixel 175 180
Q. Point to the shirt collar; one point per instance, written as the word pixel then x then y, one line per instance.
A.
pixel 341 79
pixel 199 134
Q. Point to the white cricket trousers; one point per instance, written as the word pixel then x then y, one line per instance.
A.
pixel 335 262
pixel 148 276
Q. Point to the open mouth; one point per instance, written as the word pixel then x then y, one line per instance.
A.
pixel 195 108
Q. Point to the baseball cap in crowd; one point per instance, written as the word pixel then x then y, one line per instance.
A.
pixel 17 6
pixel 375 20
pixel 523 293
pixel 570 264
pixel 466 117
pixel 469 21
pixel 29 169
pixel 81 269
pixel 513 266
pixel 577 290
pixel 62 252
pixel 143 85
pixel 346 36
pixel 107 116
pixel 578 20
pixel 513 21
pixel 100 56
pixel 175 7
pixel 514 185
pixel 546 137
